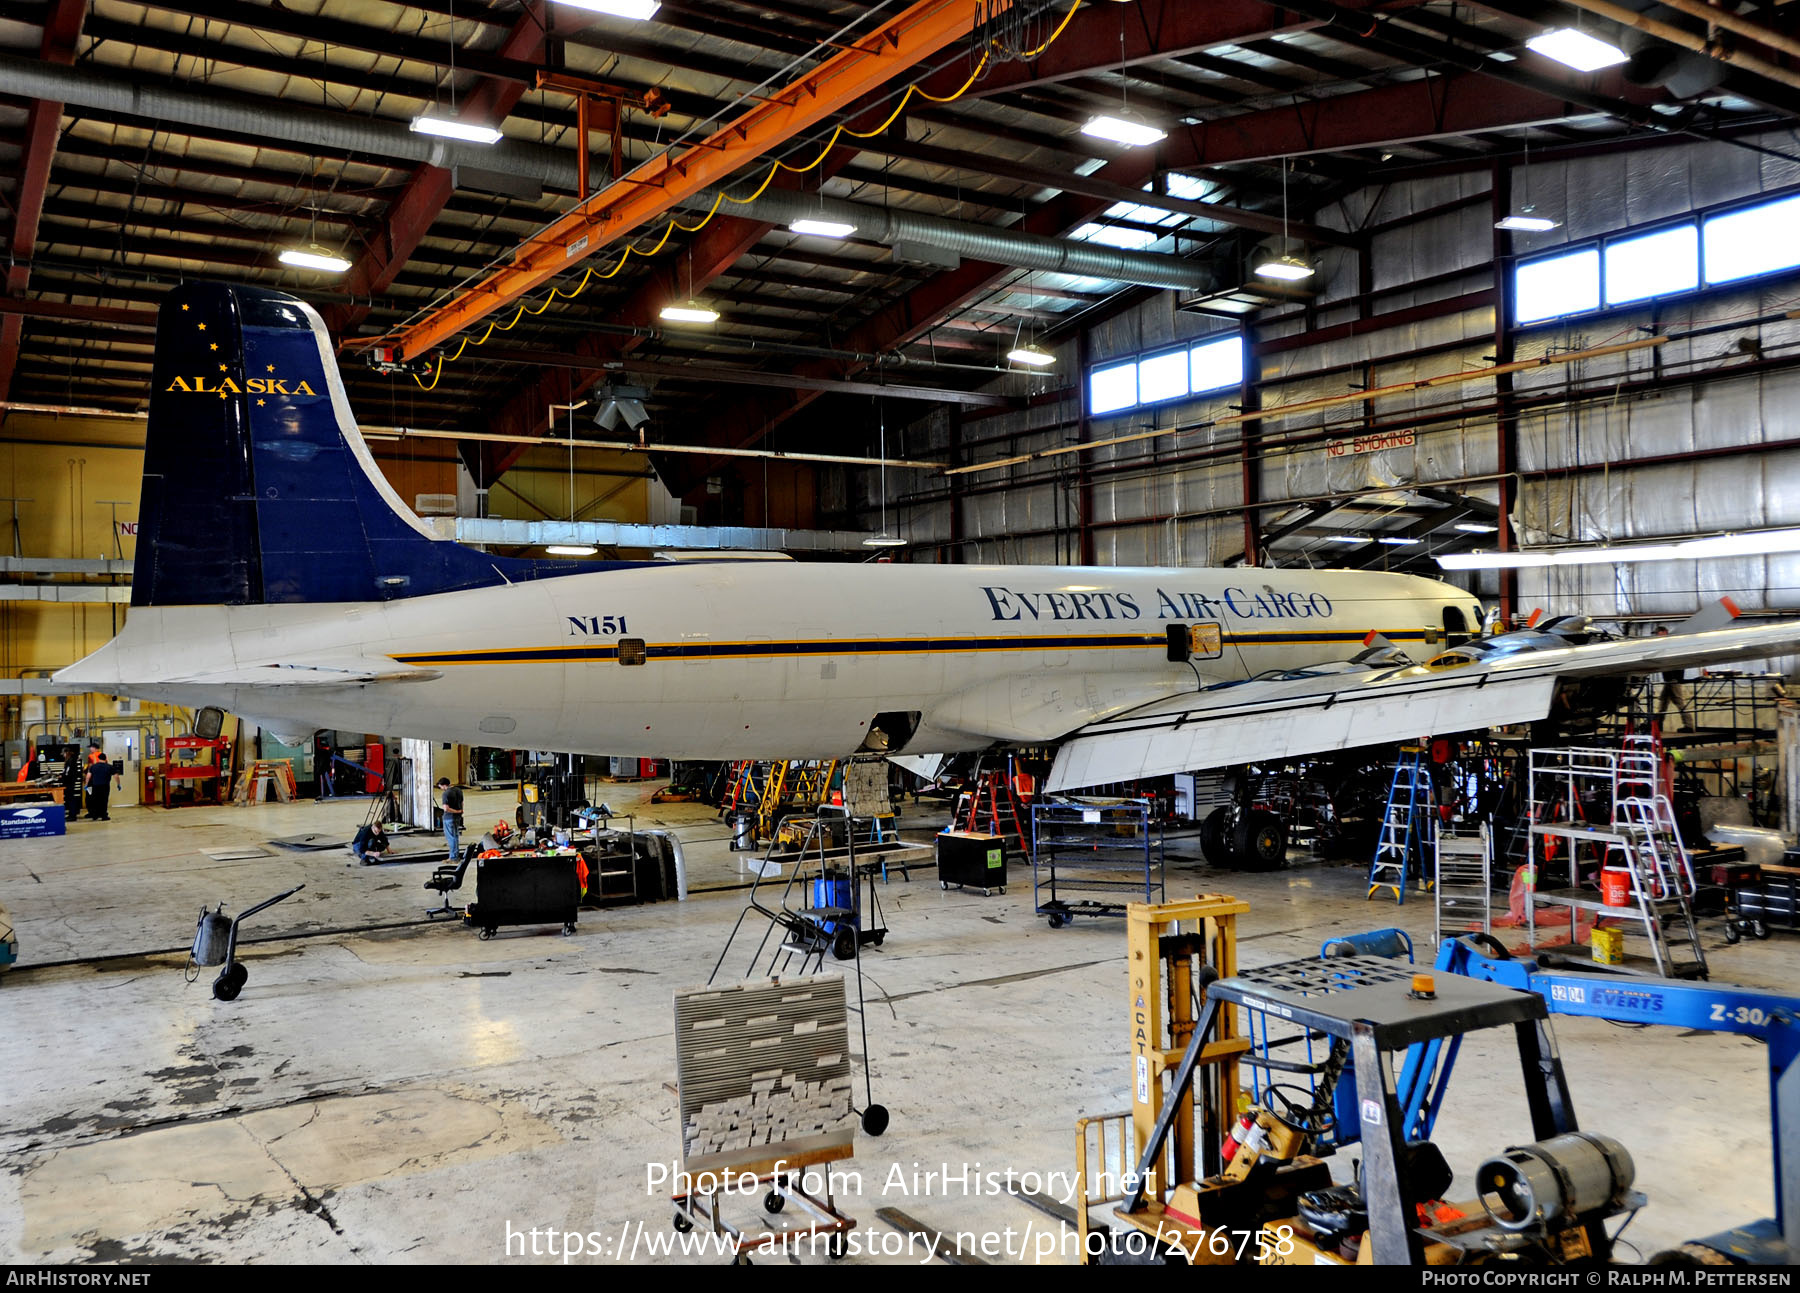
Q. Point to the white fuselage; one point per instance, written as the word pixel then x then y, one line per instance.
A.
pixel 765 659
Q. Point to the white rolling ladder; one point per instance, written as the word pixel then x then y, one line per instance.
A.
pixel 1464 890
pixel 1637 834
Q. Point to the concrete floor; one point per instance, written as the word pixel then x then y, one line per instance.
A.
pixel 387 1090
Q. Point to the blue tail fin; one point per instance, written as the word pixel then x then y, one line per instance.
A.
pixel 258 486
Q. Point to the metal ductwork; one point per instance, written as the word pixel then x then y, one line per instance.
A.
pixel 83 87
pixel 980 242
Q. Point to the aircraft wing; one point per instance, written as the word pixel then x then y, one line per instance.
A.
pixel 1269 718
pixel 349 671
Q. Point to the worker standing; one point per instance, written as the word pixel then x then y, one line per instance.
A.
pixel 100 775
pixel 450 800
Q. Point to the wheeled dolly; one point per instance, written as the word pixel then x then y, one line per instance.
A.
pixel 815 1216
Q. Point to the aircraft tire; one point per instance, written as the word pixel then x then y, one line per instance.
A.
pixel 1261 840
pixel 1216 839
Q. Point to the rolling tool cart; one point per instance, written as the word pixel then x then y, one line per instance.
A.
pixel 972 861
pixel 528 889
pixel 1108 849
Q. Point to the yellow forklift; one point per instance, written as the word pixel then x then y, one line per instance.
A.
pixel 1197 1175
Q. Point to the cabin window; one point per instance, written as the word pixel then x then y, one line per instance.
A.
pixel 631 651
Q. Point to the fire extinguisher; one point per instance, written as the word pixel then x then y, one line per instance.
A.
pixel 1241 1131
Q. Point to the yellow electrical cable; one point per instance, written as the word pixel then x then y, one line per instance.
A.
pixel 775 167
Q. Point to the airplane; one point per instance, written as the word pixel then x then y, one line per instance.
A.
pixel 280 577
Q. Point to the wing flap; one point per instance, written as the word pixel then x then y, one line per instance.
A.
pixel 1172 737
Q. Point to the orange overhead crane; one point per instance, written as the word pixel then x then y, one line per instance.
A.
pixel 658 185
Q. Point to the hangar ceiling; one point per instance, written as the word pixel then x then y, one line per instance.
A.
pixel 201 138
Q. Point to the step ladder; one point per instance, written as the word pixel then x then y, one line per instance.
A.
pixel 1407 828
pixel 277 773
pixel 993 808
pixel 1464 891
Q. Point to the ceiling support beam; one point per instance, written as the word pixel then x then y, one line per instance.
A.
pixel 655 188
pixel 62 28
pixel 1094 187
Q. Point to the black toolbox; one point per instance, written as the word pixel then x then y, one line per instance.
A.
pixel 972 861
pixel 530 889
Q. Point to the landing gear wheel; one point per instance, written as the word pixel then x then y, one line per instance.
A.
pixel 1056 920
pixel 1215 838
pixel 875 1119
pixel 230 982
pixel 1261 840
pixel 843 944
pixel 1759 929
pixel 682 1223
pixel 1732 933
pixel 774 1202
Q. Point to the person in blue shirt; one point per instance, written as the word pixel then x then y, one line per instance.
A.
pixel 370 844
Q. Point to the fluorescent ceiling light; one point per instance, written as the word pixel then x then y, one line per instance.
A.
pixel 1525 223
pixel 617 8
pixel 690 312
pixel 1034 356
pixel 884 541
pixel 570 550
pixel 823 228
pixel 447 129
pixel 1576 49
pixel 1476 527
pixel 314 257
pixel 1122 129
pixel 1398 541
pixel 1347 538
pixel 1287 268
pixel 1756 543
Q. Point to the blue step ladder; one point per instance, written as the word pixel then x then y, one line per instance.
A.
pixel 1406 828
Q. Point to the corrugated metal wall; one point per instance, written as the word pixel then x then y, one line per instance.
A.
pixel 1167 511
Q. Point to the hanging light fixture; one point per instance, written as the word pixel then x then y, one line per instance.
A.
pixel 429 123
pixel 316 257
pixel 446 129
pixel 822 228
pixel 313 256
pixel 1526 219
pixel 1286 267
pixel 883 539
pixel 617 8
pixel 692 310
pixel 1124 126
pixel 1032 356
pixel 1575 48
pixel 689 311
